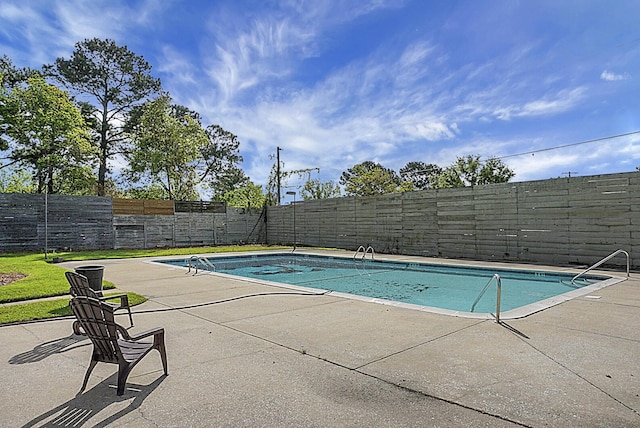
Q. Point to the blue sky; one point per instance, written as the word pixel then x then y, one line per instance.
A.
pixel 338 82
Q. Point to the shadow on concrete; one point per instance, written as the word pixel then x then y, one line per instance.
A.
pixel 88 405
pixel 46 349
pixel 513 330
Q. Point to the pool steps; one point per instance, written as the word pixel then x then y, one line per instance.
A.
pixel 194 261
pixel 364 252
pixel 604 260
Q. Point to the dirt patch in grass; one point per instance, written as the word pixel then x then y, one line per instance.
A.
pixel 8 278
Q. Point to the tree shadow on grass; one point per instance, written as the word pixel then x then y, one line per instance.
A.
pixel 47 349
pixel 85 407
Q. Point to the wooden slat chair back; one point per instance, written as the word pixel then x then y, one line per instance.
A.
pixel 112 342
pixel 80 287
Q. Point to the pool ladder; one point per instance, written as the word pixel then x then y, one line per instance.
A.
pixel 195 261
pixel 364 252
pixel 498 281
pixel 606 259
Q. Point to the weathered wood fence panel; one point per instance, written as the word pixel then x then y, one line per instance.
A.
pixel 244 226
pixel 577 220
pixel 31 222
pixel 198 229
pixel 568 221
pixel 456 223
pixel 344 230
pixel 143 207
pixel 420 223
pixel 144 231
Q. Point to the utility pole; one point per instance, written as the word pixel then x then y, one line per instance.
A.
pixel 568 173
pixel 278 172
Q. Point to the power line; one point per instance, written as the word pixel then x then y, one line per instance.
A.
pixel 568 145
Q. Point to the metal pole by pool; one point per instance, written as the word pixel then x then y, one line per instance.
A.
pixel 294 218
pixel 46 222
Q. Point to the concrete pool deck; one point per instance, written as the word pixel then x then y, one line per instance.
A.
pixel 249 358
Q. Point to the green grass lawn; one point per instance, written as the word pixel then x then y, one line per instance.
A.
pixel 45 279
pixel 30 311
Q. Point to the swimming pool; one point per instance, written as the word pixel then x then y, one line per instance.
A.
pixel 448 289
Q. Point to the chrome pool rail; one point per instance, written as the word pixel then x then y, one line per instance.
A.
pixel 369 249
pixel 364 252
pixel 194 261
pixel 606 259
pixel 495 277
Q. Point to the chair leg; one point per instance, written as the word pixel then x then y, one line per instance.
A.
pixel 92 364
pixel 130 317
pixel 76 329
pixel 123 373
pixel 163 357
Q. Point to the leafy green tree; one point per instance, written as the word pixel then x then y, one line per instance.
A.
pixel 16 181
pixel 471 171
pixel 316 189
pixel 6 70
pixel 272 184
pixel 221 157
pixel 8 74
pixel 167 146
pixel 47 133
pixel 10 77
pixel 110 80
pixel 449 178
pixel 77 180
pixel 152 191
pixel 247 196
pixel 421 175
pixel 495 171
pixel 370 178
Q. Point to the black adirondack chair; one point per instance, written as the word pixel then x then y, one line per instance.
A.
pixel 80 287
pixel 112 342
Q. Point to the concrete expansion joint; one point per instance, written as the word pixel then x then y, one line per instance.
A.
pixel 445 400
pixel 575 373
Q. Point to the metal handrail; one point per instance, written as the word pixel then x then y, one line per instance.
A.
pixel 197 260
pixel 498 295
pixel 606 259
pixel 364 251
pixel 367 251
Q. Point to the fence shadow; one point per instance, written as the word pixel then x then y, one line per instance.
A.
pixel 513 330
pixel 46 349
pixel 87 405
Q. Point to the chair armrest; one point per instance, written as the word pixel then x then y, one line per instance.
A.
pixel 152 332
pixel 124 334
pixel 124 299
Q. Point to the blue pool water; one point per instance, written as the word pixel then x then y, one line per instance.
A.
pixel 447 287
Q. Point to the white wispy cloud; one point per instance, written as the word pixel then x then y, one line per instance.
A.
pixel 178 68
pixel 29 32
pixel 44 33
pixel 562 101
pixel 270 46
pixel 413 96
pixel 372 105
pixel 611 77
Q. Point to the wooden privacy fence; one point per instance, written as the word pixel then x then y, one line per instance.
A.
pixel 31 222
pixel 568 221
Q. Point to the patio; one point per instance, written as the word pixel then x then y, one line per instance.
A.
pixel 302 360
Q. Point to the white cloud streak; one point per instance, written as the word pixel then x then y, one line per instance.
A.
pixel 562 101
pixel 250 74
pixel 612 77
